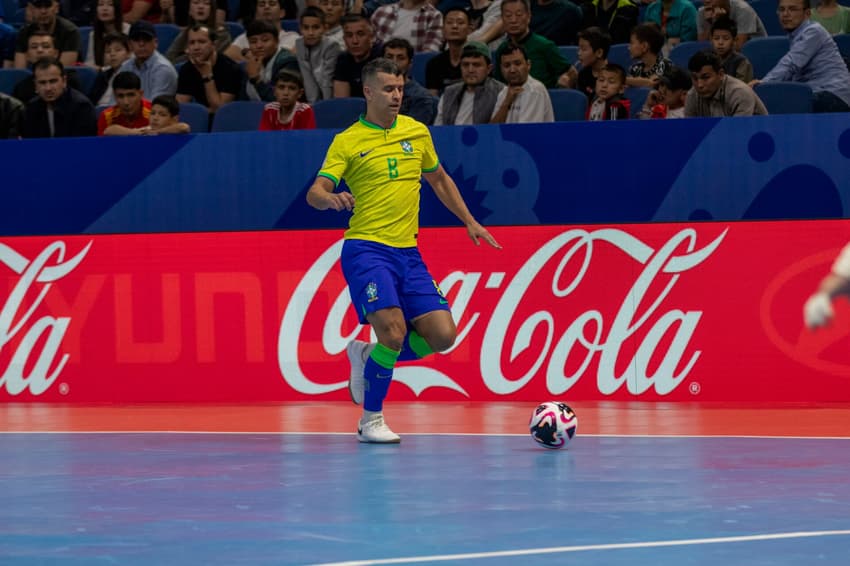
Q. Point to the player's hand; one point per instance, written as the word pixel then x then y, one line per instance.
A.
pixel 476 231
pixel 817 311
pixel 340 201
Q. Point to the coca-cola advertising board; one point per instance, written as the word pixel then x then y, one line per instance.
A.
pixel 652 312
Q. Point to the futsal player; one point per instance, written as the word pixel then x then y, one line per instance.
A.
pixel 382 158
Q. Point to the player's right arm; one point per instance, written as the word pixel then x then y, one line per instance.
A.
pixel 818 309
pixel 322 196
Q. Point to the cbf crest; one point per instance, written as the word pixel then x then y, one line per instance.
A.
pixel 406 146
pixel 372 292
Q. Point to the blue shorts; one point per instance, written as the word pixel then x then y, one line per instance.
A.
pixel 381 277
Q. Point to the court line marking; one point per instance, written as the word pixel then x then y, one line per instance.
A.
pixel 349 433
pixel 587 547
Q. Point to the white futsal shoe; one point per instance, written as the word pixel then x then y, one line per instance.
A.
pixel 374 430
pixel 358 352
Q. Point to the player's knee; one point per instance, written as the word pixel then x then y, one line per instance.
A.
pixel 392 335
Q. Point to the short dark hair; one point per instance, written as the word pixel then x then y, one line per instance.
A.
pixel 525 3
pixel 312 12
pixel 204 27
pixel 650 33
pixel 598 38
pixel 399 43
pixel 379 65
pixel 33 30
pixel 704 58
pixel 458 8
pixel 353 19
pixel 289 76
pixel 127 80
pixel 115 37
pixel 259 27
pixel 725 23
pixel 46 62
pixel 168 102
pixel 513 47
pixel 617 70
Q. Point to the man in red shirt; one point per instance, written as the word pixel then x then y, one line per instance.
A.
pixel 288 112
pixel 131 115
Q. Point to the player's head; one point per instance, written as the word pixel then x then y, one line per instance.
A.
pixel 383 86
pixel 288 88
pixel 165 111
pixel 611 81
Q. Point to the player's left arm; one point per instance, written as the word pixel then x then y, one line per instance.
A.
pixel 449 195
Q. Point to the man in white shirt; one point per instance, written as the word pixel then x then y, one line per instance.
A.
pixel 473 100
pixel 526 99
pixel 268 11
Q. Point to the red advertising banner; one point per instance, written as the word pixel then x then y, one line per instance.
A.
pixel 655 312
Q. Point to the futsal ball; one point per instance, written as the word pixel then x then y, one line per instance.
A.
pixel 553 424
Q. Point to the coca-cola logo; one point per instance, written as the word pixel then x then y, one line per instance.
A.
pixel 781 314
pixel 19 325
pixel 662 334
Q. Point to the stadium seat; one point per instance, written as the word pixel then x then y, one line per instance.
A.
pixel 766 11
pixel 86 76
pixel 198 117
pixel 682 53
pixel 420 61
pixel 235 29
pixel 785 98
pixel 338 112
pixel 289 25
pixel 10 9
pixel 85 31
pixel 238 116
pixel 637 97
pixel 165 36
pixel 764 53
pixel 570 53
pixel 10 77
pixel 569 105
pixel 619 54
pixel 843 43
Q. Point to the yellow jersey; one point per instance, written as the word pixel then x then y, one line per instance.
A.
pixel 382 168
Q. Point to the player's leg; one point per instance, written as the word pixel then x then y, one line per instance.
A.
pixel 431 327
pixel 434 331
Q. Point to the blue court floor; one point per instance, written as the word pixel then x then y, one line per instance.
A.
pixel 252 498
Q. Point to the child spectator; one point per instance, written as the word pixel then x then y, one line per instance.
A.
pixel 669 100
pixel 723 34
pixel 316 56
pixel 107 20
pixel 165 117
pixel 645 45
pixel 265 60
pixel 271 12
pixel 131 114
pixel 609 103
pixel 288 112
pixel 593 46
pixel 116 51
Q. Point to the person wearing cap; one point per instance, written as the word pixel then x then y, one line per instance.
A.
pixel 668 101
pixel 157 74
pixel 444 69
pixel 716 94
pixel 45 17
pixel 473 100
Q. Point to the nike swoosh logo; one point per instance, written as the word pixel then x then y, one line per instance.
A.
pixel 365 153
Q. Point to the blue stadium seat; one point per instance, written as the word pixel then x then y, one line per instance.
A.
pixel 766 11
pixel 420 61
pixel 843 43
pixel 198 117
pixel 619 54
pixel 570 53
pixel 637 97
pixel 165 36
pixel 289 25
pixel 682 53
pixel 238 116
pixel 764 53
pixel 86 76
pixel 569 105
pixel 10 77
pixel 11 9
pixel 235 29
pixel 85 31
pixel 338 112
pixel 785 98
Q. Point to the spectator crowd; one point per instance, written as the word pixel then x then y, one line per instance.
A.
pixel 490 61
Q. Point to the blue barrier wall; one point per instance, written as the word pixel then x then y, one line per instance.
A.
pixel 675 170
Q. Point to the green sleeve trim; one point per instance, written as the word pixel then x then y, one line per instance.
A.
pixel 329 176
pixel 384 357
pixel 432 169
